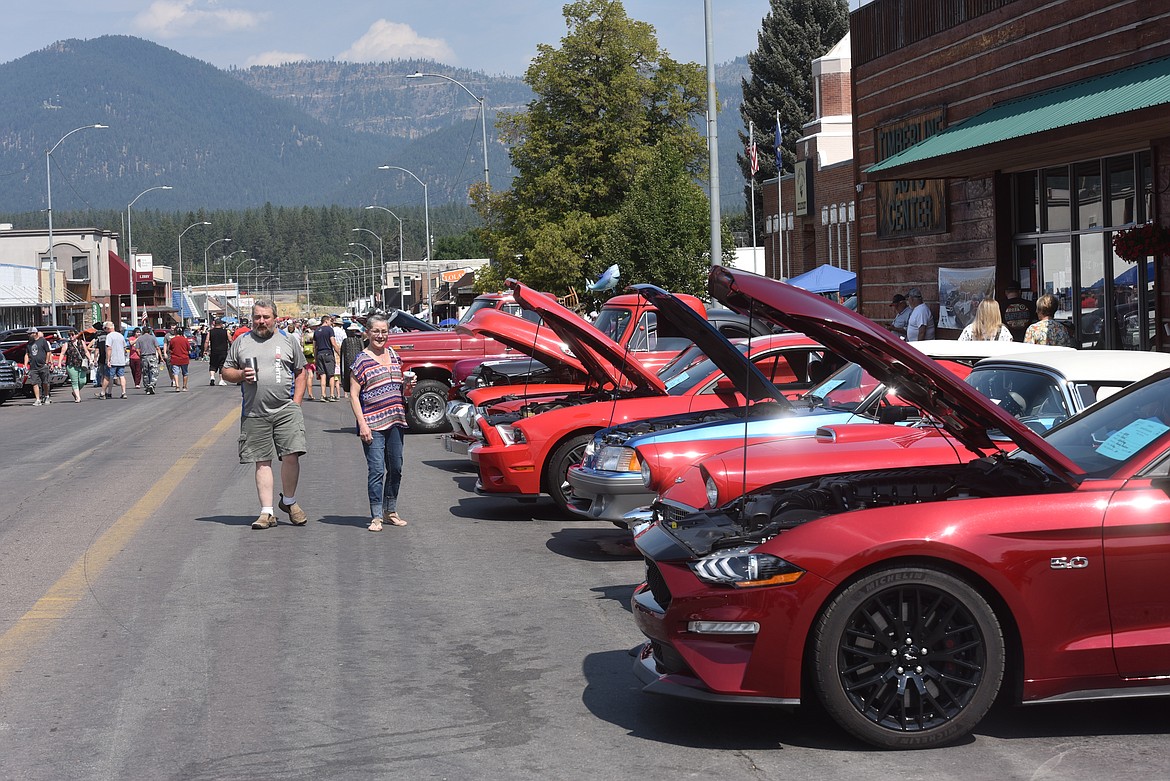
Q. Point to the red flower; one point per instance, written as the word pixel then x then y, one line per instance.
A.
pixel 1142 241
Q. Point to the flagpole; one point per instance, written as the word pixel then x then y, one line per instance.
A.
pixel 753 166
pixel 780 193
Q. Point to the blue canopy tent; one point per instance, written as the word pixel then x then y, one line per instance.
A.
pixel 826 279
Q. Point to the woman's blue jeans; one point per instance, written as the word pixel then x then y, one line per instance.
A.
pixel 384 470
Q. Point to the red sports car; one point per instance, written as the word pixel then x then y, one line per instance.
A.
pixel 904 599
pixel 528 451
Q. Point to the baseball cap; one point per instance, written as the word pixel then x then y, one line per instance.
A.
pixel 33 330
pixel 898 298
pixel 914 293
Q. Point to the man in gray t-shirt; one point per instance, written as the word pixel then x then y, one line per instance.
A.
pixel 117 358
pixel 270 365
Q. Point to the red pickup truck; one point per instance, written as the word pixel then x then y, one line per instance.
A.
pixel 432 355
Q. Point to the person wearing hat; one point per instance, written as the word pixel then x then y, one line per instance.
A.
pixel 1017 313
pixel 901 315
pixel 350 347
pixel 218 343
pixel 36 363
pixel 920 326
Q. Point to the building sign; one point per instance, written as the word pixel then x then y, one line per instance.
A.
pixel 143 270
pixel 453 276
pixel 908 207
pixel 802 183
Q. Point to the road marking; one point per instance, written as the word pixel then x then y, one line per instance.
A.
pixel 31 629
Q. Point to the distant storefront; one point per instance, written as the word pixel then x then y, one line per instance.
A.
pixel 1017 135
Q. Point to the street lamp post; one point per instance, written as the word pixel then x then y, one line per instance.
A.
pixel 482 116
pixel 400 278
pixel 226 258
pixel 49 193
pixel 427 228
pixel 130 249
pixel 357 273
pixel 181 301
pixel 376 284
pixel 206 293
pixel 240 266
pixel 367 249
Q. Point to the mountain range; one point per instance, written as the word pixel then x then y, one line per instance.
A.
pixel 306 133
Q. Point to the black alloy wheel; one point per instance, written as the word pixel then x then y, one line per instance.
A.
pixel 908 658
pixel 556 477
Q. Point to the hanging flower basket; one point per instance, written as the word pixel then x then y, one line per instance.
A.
pixel 1142 241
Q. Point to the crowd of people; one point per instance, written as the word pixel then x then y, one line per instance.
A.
pixel 273 362
pixel 1016 319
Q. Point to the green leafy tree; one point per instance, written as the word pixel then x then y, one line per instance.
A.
pixel 604 100
pixel 662 233
pixel 792 35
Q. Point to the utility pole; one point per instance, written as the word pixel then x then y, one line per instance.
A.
pixel 307 290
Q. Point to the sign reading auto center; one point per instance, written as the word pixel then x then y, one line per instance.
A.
pixel 910 206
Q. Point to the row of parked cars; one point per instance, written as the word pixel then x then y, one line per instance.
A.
pixel 13 344
pixel 899 533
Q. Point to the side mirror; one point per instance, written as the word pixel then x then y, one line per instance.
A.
pixel 725 385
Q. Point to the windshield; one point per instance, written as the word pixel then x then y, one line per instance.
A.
pixel 1111 434
pixel 613 322
pixel 476 305
pixel 681 362
pixel 684 380
pixel 1033 397
pixel 846 389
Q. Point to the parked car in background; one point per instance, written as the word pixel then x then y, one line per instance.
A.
pixel 15 349
pixel 528 446
pixel 904 599
pixel 625 466
pixel 11 380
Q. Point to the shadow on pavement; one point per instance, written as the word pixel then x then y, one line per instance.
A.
pixel 601 544
pixel 484 508
pixel 458 465
pixel 345 520
pixel 621 594
pixel 230 520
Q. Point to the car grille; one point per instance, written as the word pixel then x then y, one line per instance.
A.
pixel 669 513
pixel 7 373
pixel 668 660
pixel 657 585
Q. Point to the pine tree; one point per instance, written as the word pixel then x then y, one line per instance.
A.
pixel 792 35
pixel 605 98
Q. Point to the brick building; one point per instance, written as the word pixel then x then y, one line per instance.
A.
pixel 811 217
pixel 1016 137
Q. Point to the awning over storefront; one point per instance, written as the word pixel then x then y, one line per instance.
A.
pixel 1033 131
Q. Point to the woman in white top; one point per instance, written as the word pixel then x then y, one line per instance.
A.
pixel 987 326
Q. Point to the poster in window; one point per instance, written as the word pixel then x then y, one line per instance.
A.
pixel 959 292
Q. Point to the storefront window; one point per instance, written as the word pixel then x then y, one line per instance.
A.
pixel 1027 202
pixel 1087 182
pixel 1106 301
pixel 1121 191
pixel 1058 216
pixel 1092 298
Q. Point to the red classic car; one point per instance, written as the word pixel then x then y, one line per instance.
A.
pixel 903 599
pixel 528 450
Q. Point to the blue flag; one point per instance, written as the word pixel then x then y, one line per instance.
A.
pixel 779 146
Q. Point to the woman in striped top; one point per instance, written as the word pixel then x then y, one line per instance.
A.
pixel 376 393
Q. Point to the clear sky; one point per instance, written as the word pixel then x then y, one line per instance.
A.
pixel 495 36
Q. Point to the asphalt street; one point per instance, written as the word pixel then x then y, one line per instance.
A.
pixel 147 632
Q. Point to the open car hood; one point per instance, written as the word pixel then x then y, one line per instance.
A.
pixel 400 318
pixel 521 335
pixel 746 376
pixel 606 361
pixel 963 412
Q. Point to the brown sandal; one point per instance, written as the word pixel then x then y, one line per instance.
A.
pixel 394 520
pixel 375 525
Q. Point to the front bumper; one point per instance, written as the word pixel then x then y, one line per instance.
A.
pixel 607 496
pixel 510 470
pixel 457 443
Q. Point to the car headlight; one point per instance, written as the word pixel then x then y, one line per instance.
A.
pixel 510 434
pixel 743 568
pixel 647 477
pixel 712 489
pixel 617 458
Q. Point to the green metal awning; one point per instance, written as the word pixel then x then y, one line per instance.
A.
pixel 1008 135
